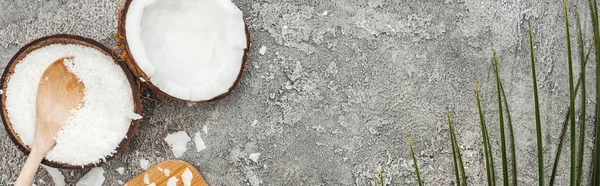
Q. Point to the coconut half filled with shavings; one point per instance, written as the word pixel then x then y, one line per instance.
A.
pixel 184 49
pixel 95 133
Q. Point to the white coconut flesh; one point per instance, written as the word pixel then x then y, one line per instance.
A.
pixel 189 49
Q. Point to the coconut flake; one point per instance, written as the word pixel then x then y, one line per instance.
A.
pixel 146 179
pixel 96 129
pixel 254 157
pixel 57 176
pixel 199 142
pixel 172 181
pixel 167 172
pixel 93 178
pixel 144 163
pixel 178 142
pixel 187 177
pixel 119 182
pixel 134 116
pixel 254 123
pixel 262 50
pixel 120 170
pixel 205 129
pixel 160 169
pixel 152 184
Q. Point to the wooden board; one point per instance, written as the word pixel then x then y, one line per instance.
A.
pixel 159 178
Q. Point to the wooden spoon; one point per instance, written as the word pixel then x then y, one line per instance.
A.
pixel 59 93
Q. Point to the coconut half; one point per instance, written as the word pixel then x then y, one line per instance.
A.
pixel 93 52
pixel 191 50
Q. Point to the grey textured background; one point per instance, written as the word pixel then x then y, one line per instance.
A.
pixel 341 86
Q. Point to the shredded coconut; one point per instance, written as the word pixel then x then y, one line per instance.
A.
pixel 120 170
pixel 178 142
pixel 172 181
pixel 57 176
pixel 146 179
pixel 95 130
pixel 205 129
pixel 93 178
pixel 134 116
pixel 186 177
pixel 144 163
pixel 199 142
pixel 167 172
pixel 152 184
pixel 254 157
pixel 262 50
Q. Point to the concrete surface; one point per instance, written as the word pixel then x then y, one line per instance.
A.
pixel 341 85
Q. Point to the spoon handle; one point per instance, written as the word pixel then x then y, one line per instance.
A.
pixel 30 168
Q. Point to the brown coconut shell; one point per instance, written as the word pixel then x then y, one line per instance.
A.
pixel 67 39
pixel 126 55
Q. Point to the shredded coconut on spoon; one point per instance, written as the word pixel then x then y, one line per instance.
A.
pixel 96 129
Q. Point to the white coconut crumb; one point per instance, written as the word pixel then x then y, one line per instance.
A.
pixel 146 179
pixel 262 50
pixel 167 172
pixel 142 79
pixel 205 129
pixel 57 176
pixel 134 116
pixel 199 142
pixel 144 163
pixel 326 12
pixel 172 181
pixel 119 182
pixel 120 170
pixel 160 169
pixel 33 184
pixel 94 131
pixel 93 178
pixel 1 92
pixel 152 184
pixel 41 181
pixel 254 123
pixel 178 142
pixel 187 177
pixel 254 157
